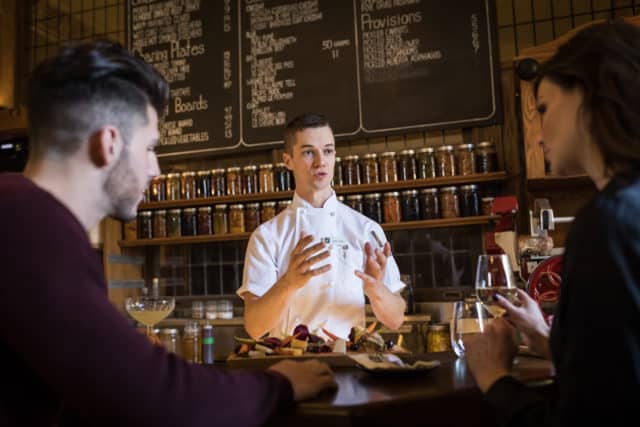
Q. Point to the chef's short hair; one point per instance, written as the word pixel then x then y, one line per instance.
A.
pixel 300 123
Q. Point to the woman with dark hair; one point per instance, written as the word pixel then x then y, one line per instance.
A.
pixel 588 97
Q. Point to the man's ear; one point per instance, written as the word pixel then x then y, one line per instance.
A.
pixel 288 160
pixel 105 146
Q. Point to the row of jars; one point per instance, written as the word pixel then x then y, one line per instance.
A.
pixel 233 181
pixel 426 204
pixel 206 220
pixel 196 344
pixel 444 161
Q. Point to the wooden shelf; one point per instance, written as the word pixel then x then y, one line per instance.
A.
pixel 351 189
pixel 409 225
pixel 550 183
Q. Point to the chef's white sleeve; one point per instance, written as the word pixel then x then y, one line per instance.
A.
pixel 392 273
pixel 260 268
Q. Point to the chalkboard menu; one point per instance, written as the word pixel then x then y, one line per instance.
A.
pixel 239 70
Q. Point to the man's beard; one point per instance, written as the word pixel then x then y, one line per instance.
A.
pixel 121 187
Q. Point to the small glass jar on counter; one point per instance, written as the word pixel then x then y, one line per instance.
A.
pixel 203 184
pixel 337 172
pixel 145 225
pixel 218 183
pixel 170 339
pixel 354 201
pixel 449 205
pixel 249 180
pixel 469 200
pixel 410 206
pixel 174 223
pixel 372 207
pixel 173 186
pixel 282 177
pixel 426 160
pixel 205 225
pixel 160 223
pixel 369 168
pixel 252 217
pixel 158 189
pixel 234 181
pixel 486 157
pixel 268 211
pixel 189 222
pixel 283 205
pixel 265 175
pixel 487 205
pixel 407 169
pixel 438 338
pixel 192 343
pixel 465 160
pixel 197 310
pixel 351 170
pixel 429 206
pixel 445 161
pixel 220 220
pixel 236 219
pixel 188 185
pixel 388 167
pixel 211 310
pixel 391 207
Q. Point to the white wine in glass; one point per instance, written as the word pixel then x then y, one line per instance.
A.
pixel 149 310
pixel 494 276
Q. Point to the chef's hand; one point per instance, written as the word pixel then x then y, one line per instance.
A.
pixel 490 354
pixel 303 259
pixel 308 379
pixel 528 318
pixel 375 265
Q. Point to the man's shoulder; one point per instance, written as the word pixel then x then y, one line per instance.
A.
pixel 354 219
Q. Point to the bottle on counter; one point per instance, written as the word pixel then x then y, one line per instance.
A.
pixel 170 339
pixel 192 343
pixel 208 341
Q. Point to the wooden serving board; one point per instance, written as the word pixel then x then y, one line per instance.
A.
pixel 335 360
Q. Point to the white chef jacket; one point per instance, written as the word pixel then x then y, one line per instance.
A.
pixel 334 301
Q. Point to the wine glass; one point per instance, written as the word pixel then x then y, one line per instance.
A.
pixel 494 276
pixel 149 310
pixel 469 317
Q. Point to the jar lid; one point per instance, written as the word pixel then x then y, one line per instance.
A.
pixel 465 147
pixel 407 152
pixel 205 209
pixel 427 150
pixel 372 196
pixel 266 166
pixel 269 204
pixel 450 189
pixel 237 207
pixel 162 176
pixel 470 187
pixel 160 212
pixel 189 173
pixel 486 144
pixel 218 171
pixel 352 157
pixel 429 191
pixel 410 193
pixel 189 210
pixel 370 156
pixel 354 197
pixel 234 169
pixel 169 331
pixel 173 175
pixel 250 168
pixel 253 206
pixel 392 194
pixel 221 207
pixel 173 211
pixel 388 154
pixel 145 213
pixel 446 148
pixel 438 327
pixel 204 173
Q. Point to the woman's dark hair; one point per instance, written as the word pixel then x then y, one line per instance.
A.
pixel 603 61
pixel 85 87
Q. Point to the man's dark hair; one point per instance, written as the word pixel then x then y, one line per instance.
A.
pixel 300 123
pixel 88 86
pixel 603 60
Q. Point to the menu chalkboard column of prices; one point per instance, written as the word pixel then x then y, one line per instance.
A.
pixel 194 44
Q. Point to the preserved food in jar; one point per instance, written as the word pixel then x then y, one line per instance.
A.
pixel 337 172
pixel 388 167
pixel 268 211
pixel 410 206
pixel 407 165
pixel 204 220
pixel 220 220
pixel 145 225
pixel 350 171
pixel 236 219
pixel 160 223
pixel 370 169
pixel 174 223
pixel 252 217
pixel 266 179
pixel 449 206
pixel 445 161
pixel 429 206
pixel 189 222
pixel 158 189
pixel 188 183
pixel 173 186
pixel 486 157
pixel 469 200
pixel 203 184
pixel 249 180
pixel 218 182
pixel 355 202
pixel 283 179
pixel 392 207
pixel 465 160
pixel 372 207
pixel 426 160
pixel 234 181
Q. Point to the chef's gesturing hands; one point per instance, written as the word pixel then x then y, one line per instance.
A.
pixel 304 262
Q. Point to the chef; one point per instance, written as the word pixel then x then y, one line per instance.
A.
pixel 314 263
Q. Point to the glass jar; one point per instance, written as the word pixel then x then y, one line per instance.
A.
pixel 160 223
pixel 234 182
pixel 426 160
pixel 170 339
pixel 203 184
pixel 197 310
pixel 355 202
pixel 283 205
pixel 388 167
pixel 173 186
pixel 392 207
pixel 236 219
pixel 158 189
pixel 465 160
pixel 407 165
pixel 469 200
pixel 249 180
pixel 351 171
pixel 189 222
pixel 410 206
pixel 211 310
pixel 486 157
pixel 282 177
pixel 188 185
pixel 174 223
pixel 429 206
pixel 218 183
pixel 370 173
pixel 252 217
pixel 266 184
pixel 205 226
pixel 337 172
pixel 145 225
pixel 487 205
pixel 372 207
pixel 268 211
pixel 438 338
pixel 191 343
pixel 449 206
pixel 220 220
pixel 445 161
